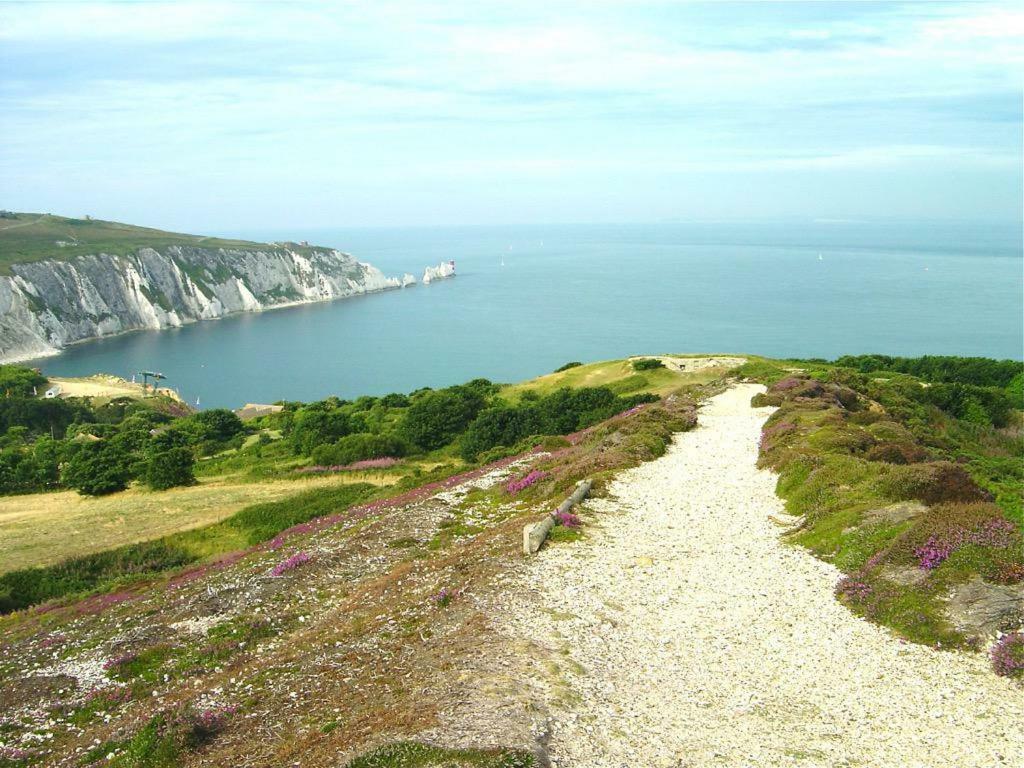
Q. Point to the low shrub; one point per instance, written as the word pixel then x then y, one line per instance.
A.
pixel 290 564
pixel 567 366
pixel 1008 655
pixel 934 482
pixel 360 447
pixel 896 453
pixel 647 364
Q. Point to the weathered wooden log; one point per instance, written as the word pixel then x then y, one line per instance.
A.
pixel 535 533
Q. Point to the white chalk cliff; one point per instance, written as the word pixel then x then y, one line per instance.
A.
pixel 46 305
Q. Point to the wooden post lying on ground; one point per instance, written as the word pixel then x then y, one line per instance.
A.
pixel 535 533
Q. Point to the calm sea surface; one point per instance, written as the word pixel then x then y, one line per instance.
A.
pixel 528 299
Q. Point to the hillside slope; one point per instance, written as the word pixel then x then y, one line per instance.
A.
pixel 68 280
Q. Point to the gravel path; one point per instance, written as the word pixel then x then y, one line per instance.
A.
pixel 693 637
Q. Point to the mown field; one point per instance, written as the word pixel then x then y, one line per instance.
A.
pixel 45 528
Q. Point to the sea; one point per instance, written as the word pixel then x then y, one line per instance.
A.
pixel 527 299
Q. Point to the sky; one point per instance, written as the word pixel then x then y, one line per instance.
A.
pixel 232 116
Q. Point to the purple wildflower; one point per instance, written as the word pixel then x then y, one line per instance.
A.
pixel 568 519
pixel 299 558
pixel 213 718
pixel 120 661
pixel 776 430
pixel 51 640
pixel 444 598
pixel 933 553
pixel 998 533
pixel 853 589
pixel 790 382
pixel 532 477
pixel 383 462
pixel 1008 655
pixel 108 697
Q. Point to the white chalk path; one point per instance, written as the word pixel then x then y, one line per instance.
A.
pixel 688 634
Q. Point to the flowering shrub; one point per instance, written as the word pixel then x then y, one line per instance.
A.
pixel 853 589
pixel 384 462
pixel 791 382
pixel 119 662
pixel 997 533
pixel 771 432
pixel 207 723
pixel 568 519
pixel 107 697
pixel 1008 655
pixel 445 597
pixel 933 553
pixel 532 477
pixel 14 753
pixel 51 640
pixel 293 562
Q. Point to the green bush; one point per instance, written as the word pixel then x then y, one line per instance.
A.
pixel 97 468
pixel 977 371
pixel 312 427
pixel 30 586
pixel 647 364
pixel 260 522
pixel 217 425
pixel 436 418
pixel 567 366
pixel 170 468
pixel 559 413
pixel 358 447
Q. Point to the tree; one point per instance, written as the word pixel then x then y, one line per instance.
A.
pixel 972 411
pixel 311 428
pixel 217 424
pixel 19 381
pixel 98 468
pixel 169 468
pixel 436 418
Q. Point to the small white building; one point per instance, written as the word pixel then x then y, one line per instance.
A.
pixel 53 392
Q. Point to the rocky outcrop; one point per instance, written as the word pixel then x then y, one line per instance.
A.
pixel 442 271
pixel 46 305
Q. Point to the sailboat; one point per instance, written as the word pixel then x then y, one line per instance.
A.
pixel 819 257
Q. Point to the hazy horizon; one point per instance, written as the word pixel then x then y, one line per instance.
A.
pixel 222 116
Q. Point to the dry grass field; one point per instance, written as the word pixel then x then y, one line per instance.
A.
pixel 44 528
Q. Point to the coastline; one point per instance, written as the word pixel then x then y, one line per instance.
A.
pixel 56 351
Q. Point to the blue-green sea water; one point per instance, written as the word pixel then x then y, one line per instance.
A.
pixel 528 299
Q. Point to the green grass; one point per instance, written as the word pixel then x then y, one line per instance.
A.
pixel 34 236
pixel 618 375
pixel 410 754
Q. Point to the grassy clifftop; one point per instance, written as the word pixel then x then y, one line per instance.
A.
pixel 27 237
